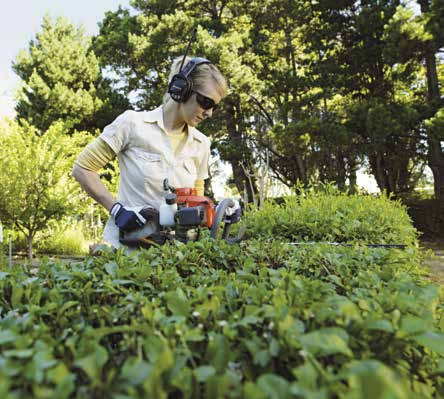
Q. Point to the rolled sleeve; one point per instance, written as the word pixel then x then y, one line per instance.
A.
pixel 202 172
pixel 116 134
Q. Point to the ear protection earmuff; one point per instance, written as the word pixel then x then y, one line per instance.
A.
pixel 181 85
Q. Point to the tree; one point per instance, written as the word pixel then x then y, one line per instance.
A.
pixel 62 80
pixel 316 90
pixel 35 185
pixel 353 42
pixel 433 11
pixel 418 39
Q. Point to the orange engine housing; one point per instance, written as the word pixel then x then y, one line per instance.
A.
pixel 187 197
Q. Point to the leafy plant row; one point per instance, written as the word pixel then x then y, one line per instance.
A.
pixel 262 319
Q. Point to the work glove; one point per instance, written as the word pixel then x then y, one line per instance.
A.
pixel 233 213
pixel 125 219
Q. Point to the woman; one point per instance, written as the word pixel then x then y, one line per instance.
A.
pixel 154 145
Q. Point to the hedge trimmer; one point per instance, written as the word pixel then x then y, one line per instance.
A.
pixel 182 217
pixel 184 214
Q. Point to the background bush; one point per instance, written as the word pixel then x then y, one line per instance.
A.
pixel 329 215
pixel 66 237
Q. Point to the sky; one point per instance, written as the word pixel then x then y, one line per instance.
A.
pixel 20 20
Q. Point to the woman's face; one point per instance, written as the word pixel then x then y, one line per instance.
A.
pixel 193 113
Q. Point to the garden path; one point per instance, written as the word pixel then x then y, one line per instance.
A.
pixel 436 261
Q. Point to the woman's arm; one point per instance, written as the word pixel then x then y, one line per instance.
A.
pixel 94 157
pixel 91 183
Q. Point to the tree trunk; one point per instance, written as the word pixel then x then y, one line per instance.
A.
pixel 302 175
pixel 29 240
pixel 377 166
pixel 340 172
pixel 403 185
pixel 352 175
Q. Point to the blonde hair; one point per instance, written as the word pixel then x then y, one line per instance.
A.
pixel 201 74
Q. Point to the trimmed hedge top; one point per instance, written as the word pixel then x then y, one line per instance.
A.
pixel 326 216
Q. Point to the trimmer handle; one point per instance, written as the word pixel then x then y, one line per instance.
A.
pixel 167 187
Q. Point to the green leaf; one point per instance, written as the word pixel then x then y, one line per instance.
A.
pixel 373 379
pixel 274 386
pixel 262 358
pixel 17 292
pixel 440 367
pixel 136 371
pixel 19 353
pixel 177 303
pixel 326 341
pixel 7 336
pixel 431 340
pixel 307 375
pixel 194 335
pixel 92 364
pixel 218 351
pixel 66 306
pixel 252 391
pixel 111 268
pixel 159 353
pixel 413 325
pixel 247 320
pixel 124 282
pixel 44 359
pixel 291 329
pixel 274 347
pixel 58 373
pixel 202 373
pixel 380 325
pixel 153 347
pixel 65 387
pixel 183 380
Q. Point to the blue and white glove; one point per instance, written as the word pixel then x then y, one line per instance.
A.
pixel 233 214
pixel 125 219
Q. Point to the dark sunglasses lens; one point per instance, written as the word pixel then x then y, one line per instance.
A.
pixel 205 102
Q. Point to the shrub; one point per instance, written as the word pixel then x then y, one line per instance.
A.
pixel 66 238
pixel 334 216
pixel 262 319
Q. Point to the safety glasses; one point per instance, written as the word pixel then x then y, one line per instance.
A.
pixel 205 102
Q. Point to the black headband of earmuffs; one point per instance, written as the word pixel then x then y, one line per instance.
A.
pixel 181 85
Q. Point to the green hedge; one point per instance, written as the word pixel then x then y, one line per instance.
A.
pixel 326 216
pixel 262 319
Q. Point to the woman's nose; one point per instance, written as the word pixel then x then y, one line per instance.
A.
pixel 208 112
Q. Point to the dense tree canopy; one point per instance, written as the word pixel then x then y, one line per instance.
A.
pixel 318 90
pixel 62 80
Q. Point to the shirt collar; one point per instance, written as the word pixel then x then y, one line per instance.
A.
pixel 156 116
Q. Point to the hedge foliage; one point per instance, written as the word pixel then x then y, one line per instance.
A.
pixel 261 319
pixel 332 216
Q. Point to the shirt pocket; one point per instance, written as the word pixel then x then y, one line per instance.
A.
pixel 150 163
pixel 146 155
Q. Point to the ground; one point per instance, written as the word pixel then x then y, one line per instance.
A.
pixel 436 261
